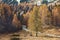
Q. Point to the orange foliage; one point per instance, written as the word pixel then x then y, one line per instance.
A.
pixel 15 21
pixel 56 15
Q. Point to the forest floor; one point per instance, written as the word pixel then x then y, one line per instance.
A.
pixel 23 35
